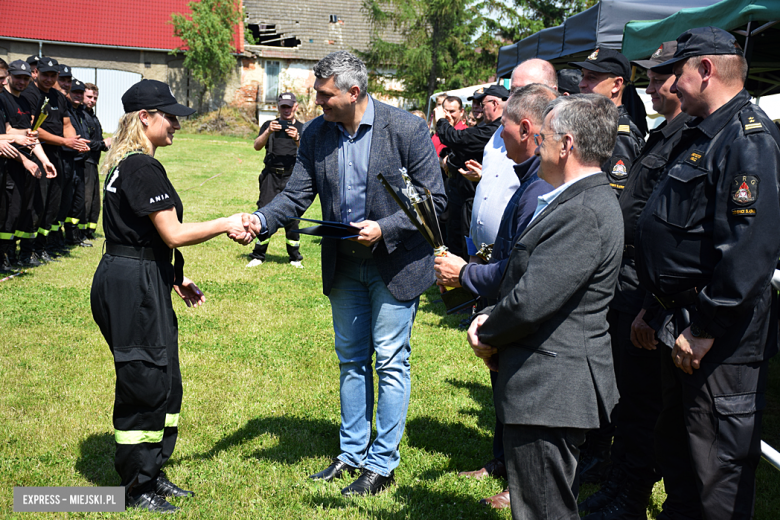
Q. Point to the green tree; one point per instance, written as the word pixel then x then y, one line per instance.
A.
pixel 434 51
pixel 552 12
pixel 449 44
pixel 207 38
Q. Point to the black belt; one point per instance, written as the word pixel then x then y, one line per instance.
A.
pixel 147 253
pixel 629 251
pixel 139 253
pixel 682 299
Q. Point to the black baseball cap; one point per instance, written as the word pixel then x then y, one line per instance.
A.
pixel 607 61
pixel 150 94
pixel 77 86
pixel 33 60
pixel 65 71
pixel 286 99
pixel 19 68
pixel 478 94
pixel 662 54
pixel 48 65
pixel 498 91
pixel 569 81
pixel 702 41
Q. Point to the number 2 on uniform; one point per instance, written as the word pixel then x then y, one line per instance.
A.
pixel 109 186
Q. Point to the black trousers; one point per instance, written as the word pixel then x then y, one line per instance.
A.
pixel 131 303
pixel 19 190
pixel 498 431
pixel 91 195
pixel 456 229
pixel 541 465
pixel 4 200
pixel 708 439
pixel 51 192
pixel 76 212
pixel 639 383
pixel 272 182
pixel 68 181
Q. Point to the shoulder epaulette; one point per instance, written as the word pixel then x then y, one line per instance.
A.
pixel 750 121
pixel 624 124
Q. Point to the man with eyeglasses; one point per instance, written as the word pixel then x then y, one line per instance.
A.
pixel 549 327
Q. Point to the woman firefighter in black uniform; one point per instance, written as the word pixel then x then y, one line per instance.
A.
pixel 131 290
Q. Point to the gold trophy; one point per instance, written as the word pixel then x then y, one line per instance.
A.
pixel 422 213
pixel 42 116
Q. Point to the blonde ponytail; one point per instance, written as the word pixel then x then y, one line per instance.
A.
pixel 129 137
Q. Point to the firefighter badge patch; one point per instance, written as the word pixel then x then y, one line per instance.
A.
pixel 619 170
pixel 744 190
pixel 594 55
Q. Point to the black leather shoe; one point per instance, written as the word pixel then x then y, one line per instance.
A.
pixel 151 502
pixel 601 498
pixel 45 257
pixel 630 504
pixel 594 468
pixel 166 488
pixel 368 483
pixel 29 261
pixel 335 470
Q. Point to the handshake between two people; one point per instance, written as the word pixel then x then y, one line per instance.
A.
pixel 245 227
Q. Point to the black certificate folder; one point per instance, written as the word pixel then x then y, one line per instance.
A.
pixel 327 229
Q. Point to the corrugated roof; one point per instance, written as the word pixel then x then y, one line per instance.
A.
pixel 135 23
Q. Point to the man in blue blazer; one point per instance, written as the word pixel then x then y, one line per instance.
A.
pixel 374 281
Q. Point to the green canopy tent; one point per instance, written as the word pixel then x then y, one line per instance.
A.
pixel 753 22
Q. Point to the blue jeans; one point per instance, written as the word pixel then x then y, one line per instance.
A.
pixel 368 320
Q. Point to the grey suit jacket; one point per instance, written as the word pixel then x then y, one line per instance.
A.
pixel 550 325
pixel 403 257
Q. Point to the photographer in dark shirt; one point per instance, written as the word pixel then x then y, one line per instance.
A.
pixel 280 137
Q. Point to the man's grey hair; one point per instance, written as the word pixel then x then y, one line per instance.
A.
pixel 529 102
pixel 591 119
pixel 347 68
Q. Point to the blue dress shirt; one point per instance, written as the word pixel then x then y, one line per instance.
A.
pixel 354 151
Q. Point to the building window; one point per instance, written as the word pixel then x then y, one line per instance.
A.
pixel 272 69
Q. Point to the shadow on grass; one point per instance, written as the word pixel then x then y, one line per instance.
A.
pixel 466 447
pixel 417 502
pixel 96 460
pixel 431 302
pixel 483 396
pixel 299 438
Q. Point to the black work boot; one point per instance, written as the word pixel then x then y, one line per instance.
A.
pixel 70 234
pixel 151 501
pixel 26 246
pixel 6 247
pixel 595 463
pixel 629 504
pixel 166 488
pixel 81 238
pixel 606 494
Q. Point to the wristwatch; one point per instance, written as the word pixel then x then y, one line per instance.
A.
pixel 698 332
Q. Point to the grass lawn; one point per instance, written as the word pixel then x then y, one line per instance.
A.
pixel 261 407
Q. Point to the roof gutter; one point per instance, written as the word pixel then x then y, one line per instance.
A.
pixel 95 45
pixel 75 44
